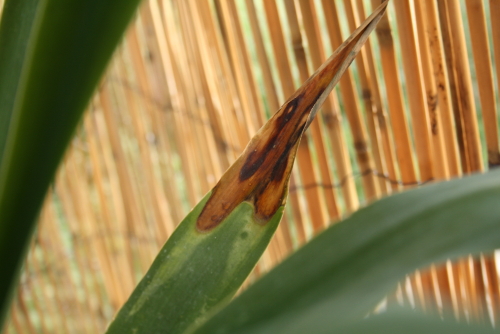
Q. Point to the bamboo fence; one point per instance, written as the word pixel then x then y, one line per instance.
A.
pixel 192 82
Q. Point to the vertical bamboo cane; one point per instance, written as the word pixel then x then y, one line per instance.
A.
pixel 194 97
pixel 219 133
pixel 120 262
pixel 91 244
pixel 130 204
pixel 434 107
pixel 395 99
pixel 416 94
pixel 65 188
pixel 156 197
pixel 379 110
pixel 461 84
pixel 441 75
pixel 491 282
pixel 484 73
pixel 495 29
pixel 160 107
pixel 230 105
pixel 241 79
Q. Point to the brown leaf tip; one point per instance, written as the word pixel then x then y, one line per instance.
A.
pixel 260 175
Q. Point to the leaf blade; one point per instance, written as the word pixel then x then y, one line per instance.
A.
pixel 340 276
pixel 46 39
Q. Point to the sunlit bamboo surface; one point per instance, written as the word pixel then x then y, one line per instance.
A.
pixel 189 86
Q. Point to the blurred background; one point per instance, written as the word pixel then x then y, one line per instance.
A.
pixel 192 82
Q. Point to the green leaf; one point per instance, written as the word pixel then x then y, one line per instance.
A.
pixel 215 247
pixel 53 53
pixel 341 275
pixel 195 271
pixel 407 321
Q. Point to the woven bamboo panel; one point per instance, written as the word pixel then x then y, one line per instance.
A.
pixel 191 83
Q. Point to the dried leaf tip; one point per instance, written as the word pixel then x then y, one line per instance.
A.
pixel 260 175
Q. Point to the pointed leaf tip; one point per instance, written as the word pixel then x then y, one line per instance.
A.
pixel 260 175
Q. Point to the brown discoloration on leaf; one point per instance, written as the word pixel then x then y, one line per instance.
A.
pixel 260 175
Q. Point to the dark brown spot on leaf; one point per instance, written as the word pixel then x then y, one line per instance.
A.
pixel 260 175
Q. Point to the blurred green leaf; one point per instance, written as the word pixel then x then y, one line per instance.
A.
pixel 53 53
pixel 339 277
pixel 407 321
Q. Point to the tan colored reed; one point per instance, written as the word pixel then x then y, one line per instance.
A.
pixel 484 72
pixel 378 109
pixel 395 99
pixel 415 87
pixel 461 85
pixel 183 96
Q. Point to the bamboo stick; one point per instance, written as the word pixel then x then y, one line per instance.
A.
pixel 441 76
pixel 193 92
pixel 78 237
pixel 120 261
pixel 257 113
pixel 229 102
pixel 484 73
pixel 241 80
pixel 130 207
pixel 66 280
pixel 495 29
pixel 270 87
pixel 465 116
pixel 83 250
pixel 188 35
pixel 378 108
pixel 218 137
pixel 50 279
pixel 171 72
pixel 395 99
pixel 436 129
pixel 416 94
pixel 491 282
pixel 160 113
pixel 154 195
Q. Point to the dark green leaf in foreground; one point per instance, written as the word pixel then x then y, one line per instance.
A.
pixel 339 277
pixel 407 321
pixel 216 246
pixel 53 53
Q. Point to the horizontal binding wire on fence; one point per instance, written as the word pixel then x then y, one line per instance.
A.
pixel 186 90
